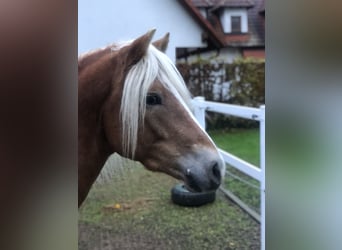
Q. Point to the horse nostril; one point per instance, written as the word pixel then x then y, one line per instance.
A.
pixel 216 173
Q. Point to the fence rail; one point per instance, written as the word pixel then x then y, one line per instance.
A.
pixel 258 173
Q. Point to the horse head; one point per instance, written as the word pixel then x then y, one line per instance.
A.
pixel 153 123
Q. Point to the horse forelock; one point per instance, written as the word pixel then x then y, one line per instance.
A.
pixel 155 65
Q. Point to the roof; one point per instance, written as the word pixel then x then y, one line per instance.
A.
pixel 212 34
pixel 256 27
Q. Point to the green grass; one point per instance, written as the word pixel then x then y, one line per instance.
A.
pixel 160 224
pixel 245 145
pixel 242 143
pixel 220 225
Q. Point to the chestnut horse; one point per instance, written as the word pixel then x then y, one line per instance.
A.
pixel 133 101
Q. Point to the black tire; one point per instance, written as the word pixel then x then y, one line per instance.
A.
pixel 181 196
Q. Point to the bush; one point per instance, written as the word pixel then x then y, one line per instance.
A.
pixel 215 121
pixel 201 76
pixel 241 82
pixel 248 82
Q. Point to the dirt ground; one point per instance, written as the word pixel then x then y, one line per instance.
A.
pixel 102 237
pixel 96 237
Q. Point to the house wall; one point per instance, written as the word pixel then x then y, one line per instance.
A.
pixel 226 55
pixel 255 53
pixel 103 22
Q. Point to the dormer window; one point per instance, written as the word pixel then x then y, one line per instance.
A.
pixel 236 24
pixel 234 20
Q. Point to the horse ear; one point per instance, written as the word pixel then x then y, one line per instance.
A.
pixel 138 48
pixel 162 43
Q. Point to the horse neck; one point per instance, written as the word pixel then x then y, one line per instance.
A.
pixel 93 149
pixel 94 86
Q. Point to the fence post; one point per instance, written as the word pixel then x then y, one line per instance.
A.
pixel 199 110
pixel 263 179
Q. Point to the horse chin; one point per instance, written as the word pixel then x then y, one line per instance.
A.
pixel 173 172
pixel 199 172
pixel 190 186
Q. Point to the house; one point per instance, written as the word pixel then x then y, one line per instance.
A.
pixel 233 28
pixel 103 22
pixel 224 29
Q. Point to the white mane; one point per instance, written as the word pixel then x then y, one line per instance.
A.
pixel 155 65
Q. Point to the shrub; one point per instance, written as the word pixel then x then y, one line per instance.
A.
pixel 241 82
pixel 248 82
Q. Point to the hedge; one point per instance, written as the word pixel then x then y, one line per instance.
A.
pixel 241 82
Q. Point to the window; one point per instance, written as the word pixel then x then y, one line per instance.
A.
pixel 236 24
pixel 234 21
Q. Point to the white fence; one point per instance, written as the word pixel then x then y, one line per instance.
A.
pixel 258 114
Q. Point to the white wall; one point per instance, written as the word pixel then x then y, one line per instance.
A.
pixel 101 22
pixel 226 55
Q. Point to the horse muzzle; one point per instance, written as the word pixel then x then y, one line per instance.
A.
pixel 203 171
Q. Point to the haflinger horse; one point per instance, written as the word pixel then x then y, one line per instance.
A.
pixel 133 101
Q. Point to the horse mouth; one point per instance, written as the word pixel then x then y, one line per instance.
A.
pixel 193 184
pixel 203 181
pixel 195 178
pixel 189 185
pixel 194 187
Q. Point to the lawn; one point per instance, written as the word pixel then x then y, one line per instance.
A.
pixel 244 144
pixel 134 210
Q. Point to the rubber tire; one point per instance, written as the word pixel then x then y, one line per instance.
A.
pixel 181 196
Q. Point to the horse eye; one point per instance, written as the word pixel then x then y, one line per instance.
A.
pixel 153 99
